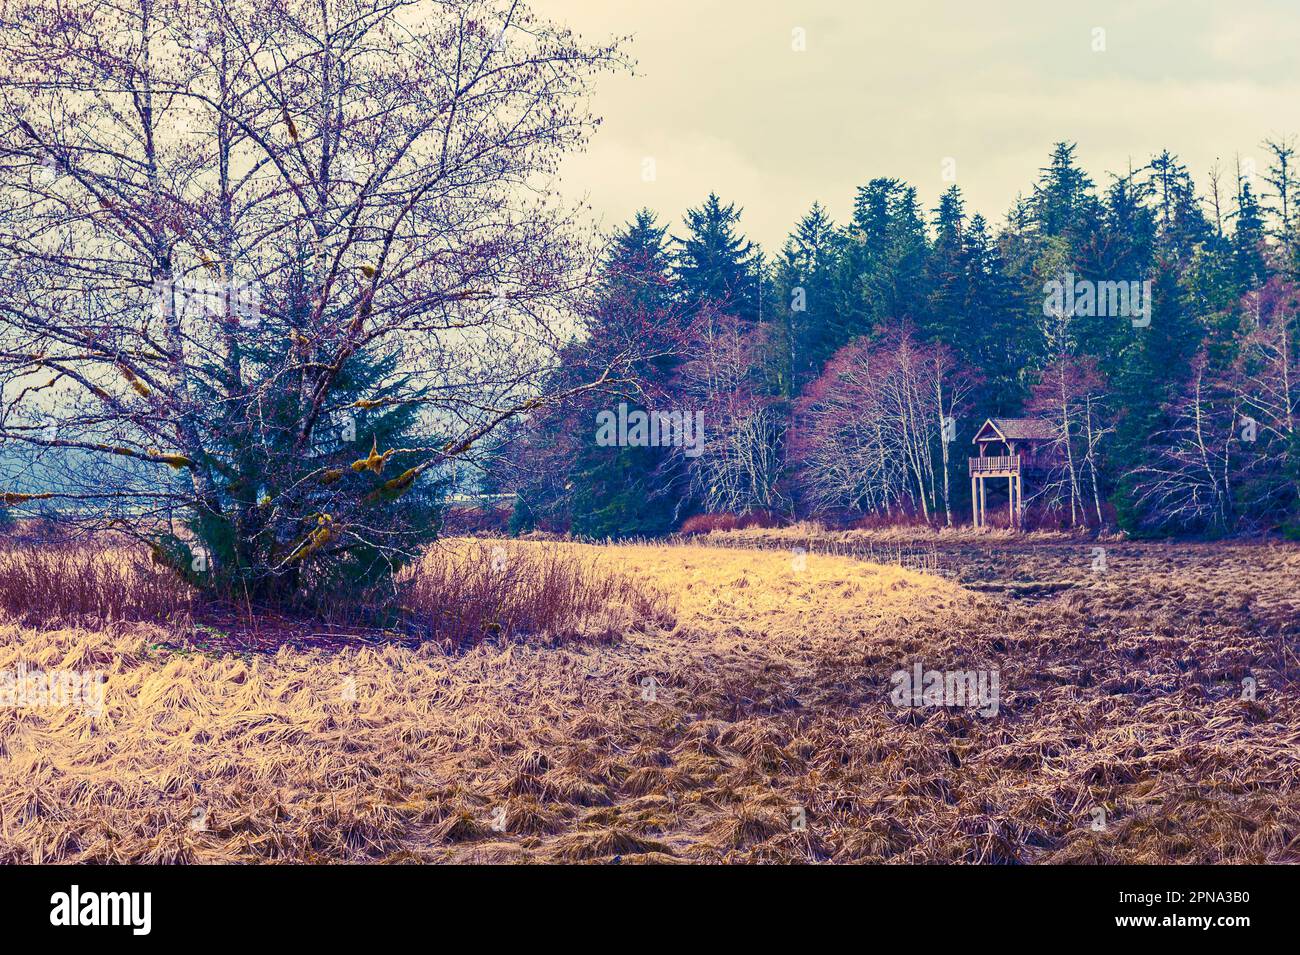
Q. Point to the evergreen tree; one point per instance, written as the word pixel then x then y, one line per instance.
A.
pixel 1064 203
pixel 1248 267
pixel 1285 191
pixel 947 271
pixel 882 278
pixel 637 266
pixel 278 501
pixel 714 264
pixel 996 337
pixel 1148 379
pixel 1181 222
pixel 804 293
pixel 614 491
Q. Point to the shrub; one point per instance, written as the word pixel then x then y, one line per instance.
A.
pixel 459 594
pixel 900 518
pixel 708 523
pixel 474 521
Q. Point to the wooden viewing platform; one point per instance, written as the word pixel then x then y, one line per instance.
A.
pixel 1029 447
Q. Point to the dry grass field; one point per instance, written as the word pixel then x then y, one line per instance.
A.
pixel 717 703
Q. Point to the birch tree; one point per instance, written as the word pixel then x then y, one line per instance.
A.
pixel 738 468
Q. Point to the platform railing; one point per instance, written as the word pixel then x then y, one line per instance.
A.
pixel 989 465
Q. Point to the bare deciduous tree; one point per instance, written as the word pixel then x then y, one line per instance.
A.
pixel 237 235
pixel 1229 458
pixel 1070 395
pixel 1190 482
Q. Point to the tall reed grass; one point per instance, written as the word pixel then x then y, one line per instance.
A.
pixel 468 591
pixel 461 593
pixel 54 584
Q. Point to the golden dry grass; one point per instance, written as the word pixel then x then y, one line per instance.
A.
pixel 466 590
pixel 769 695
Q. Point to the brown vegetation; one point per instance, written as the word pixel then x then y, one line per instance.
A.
pixel 709 523
pixel 43 584
pixel 701 739
pixel 461 593
pixel 465 592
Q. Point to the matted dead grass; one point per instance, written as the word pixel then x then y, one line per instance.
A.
pixel 699 740
pixel 901 533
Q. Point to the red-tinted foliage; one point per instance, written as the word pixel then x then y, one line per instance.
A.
pixel 899 518
pixel 707 523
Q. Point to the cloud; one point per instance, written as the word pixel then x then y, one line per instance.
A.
pixel 723 103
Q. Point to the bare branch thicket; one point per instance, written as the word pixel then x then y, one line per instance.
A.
pixel 1227 460
pixel 874 431
pixel 1189 484
pixel 1071 395
pixel 739 466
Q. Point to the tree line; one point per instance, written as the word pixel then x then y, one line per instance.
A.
pixel 1150 322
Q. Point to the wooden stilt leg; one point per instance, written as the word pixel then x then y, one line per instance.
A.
pixel 1011 502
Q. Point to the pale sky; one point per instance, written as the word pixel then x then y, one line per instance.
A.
pixel 722 102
